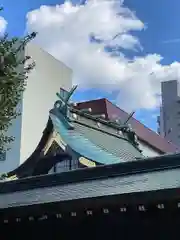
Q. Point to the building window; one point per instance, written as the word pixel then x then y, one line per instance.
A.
pixel 2 156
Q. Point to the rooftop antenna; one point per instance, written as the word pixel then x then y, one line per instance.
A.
pixel 129 117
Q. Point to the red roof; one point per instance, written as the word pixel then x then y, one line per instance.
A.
pixel 103 106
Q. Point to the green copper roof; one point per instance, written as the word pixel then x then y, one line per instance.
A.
pixel 112 143
pixel 93 137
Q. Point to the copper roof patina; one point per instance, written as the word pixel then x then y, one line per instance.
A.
pixel 91 137
pixel 111 111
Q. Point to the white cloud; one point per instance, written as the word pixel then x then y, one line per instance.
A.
pixel 64 32
pixel 3 25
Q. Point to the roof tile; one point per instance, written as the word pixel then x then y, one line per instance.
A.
pixel 103 106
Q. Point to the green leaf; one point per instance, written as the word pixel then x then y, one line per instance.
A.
pixel 12 82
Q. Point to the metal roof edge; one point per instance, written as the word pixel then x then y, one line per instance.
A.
pixel 147 165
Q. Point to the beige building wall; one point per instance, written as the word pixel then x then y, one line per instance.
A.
pixel 44 81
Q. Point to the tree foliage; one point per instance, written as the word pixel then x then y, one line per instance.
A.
pixel 14 69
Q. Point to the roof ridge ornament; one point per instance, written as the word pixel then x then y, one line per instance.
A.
pixel 64 97
pixel 62 106
pixel 129 117
pixel 126 128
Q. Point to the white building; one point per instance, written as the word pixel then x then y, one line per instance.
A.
pixel 44 81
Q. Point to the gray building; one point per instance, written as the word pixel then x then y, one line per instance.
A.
pixel 169 119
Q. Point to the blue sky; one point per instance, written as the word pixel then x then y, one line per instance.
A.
pixel 161 17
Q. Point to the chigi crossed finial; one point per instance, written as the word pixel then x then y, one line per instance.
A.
pixel 63 103
pixel 65 96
